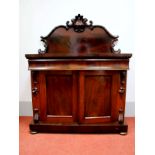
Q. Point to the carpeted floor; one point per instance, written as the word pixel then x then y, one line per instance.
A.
pixel 75 144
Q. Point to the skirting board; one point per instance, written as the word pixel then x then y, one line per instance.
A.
pixel 25 109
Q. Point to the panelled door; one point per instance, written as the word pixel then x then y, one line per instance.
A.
pixel 98 96
pixel 58 96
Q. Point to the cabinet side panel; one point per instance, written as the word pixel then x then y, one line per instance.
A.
pixel 59 94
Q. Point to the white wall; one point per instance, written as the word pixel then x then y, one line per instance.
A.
pixel 39 17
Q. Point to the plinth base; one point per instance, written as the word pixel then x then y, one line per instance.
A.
pixel 78 128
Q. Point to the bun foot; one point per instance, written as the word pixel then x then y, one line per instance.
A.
pixel 33 132
pixel 123 133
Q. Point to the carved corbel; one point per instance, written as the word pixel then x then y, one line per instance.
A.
pixel 122 82
pixel 34 83
pixel 121 116
pixel 36 115
pixel 35 91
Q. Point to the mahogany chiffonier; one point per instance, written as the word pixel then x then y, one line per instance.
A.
pixel 78 81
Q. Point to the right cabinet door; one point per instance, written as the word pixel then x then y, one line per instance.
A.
pixel 98 96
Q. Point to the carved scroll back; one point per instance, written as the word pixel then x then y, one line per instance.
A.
pixel 79 37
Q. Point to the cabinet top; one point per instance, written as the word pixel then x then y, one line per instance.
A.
pixel 78 39
pixel 79 56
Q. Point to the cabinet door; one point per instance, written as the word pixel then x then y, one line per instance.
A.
pixel 98 96
pixel 58 96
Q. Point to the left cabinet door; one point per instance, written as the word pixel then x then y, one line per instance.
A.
pixel 58 96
